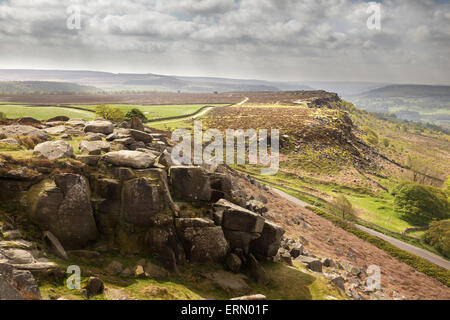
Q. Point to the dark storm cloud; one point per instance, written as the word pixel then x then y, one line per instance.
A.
pixel 273 39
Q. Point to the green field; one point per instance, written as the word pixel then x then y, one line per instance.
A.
pixel 43 113
pixel 155 111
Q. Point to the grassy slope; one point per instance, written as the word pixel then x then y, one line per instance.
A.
pixel 290 283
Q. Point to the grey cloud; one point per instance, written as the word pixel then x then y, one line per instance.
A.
pixel 307 39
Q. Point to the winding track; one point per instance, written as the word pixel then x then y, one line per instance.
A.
pixel 427 255
pixel 195 116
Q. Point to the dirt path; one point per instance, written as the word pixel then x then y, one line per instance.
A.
pixel 398 243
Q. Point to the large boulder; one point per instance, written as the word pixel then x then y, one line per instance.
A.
pixel 189 182
pixel 23 130
pixel 203 241
pixel 236 218
pixel 63 207
pixel 132 159
pixel 94 147
pixel 53 150
pixel 142 199
pixel 268 244
pixel 99 126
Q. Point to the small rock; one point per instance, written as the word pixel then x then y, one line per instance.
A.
pixel 254 297
pixel 139 271
pixel 153 271
pixel 329 263
pixel 126 273
pixel 94 286
pixel 114 268
pixel 297 251
pixel 313 264
pixel 233 262
pixel 12 235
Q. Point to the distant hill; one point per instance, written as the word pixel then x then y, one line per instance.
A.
pixel 424 103
pixel 345 89
pixel 43 87
pixel 408 91
pixel 147 82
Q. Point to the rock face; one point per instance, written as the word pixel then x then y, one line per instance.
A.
pixel 99 126
pixel 190 183
pixel 202 240
pixel 142 200
pixel 63 207
pixel 53 150
pixel 23 130
pixel 132 159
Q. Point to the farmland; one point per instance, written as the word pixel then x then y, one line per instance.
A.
pixel 43 113
pixel 13 111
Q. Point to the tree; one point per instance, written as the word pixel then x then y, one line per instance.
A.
pixel 109 113
pixel 135 112
pixel 2 116
pixel 420 204
pixel 438 236
pixel 341 207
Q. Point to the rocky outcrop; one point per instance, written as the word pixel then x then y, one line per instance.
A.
pixel 53 150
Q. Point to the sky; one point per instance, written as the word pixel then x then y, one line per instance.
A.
pixel 288 40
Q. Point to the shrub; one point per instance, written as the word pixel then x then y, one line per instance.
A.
pixel 29 141
pixel 385 142
pixel 438 236
pixel 341 207
pixel 135 113
pixel 109 113
pixel 2 116
pixel 420 204
pixel 372 136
